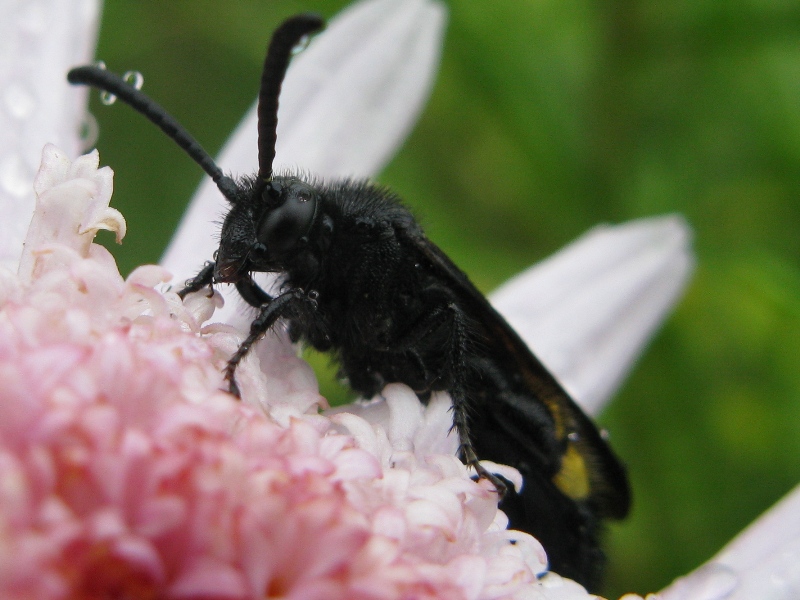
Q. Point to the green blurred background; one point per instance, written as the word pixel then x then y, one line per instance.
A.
pixel 547 118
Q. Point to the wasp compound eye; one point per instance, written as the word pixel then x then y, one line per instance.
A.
pixel 284 226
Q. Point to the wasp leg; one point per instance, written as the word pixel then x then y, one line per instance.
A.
pixel 456 364
pixel 284 305
pixel 457 357
pixel 252 293
pixel 204 278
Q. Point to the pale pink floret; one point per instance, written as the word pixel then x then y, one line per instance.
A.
pixel 125 470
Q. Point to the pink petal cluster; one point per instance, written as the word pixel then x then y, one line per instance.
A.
pixel 125 471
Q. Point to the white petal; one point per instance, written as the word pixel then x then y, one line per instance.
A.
pixel 761 562
pixel 376 79
pixel 39 42
pixel 767 535
pixel 347 103
pixel 405 415
pixel 709 582
pixel 72 223
pixel 588 310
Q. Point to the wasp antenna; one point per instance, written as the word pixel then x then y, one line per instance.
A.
pixel 283 42
pixel 101 79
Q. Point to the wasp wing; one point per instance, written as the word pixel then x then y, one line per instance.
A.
pixel 571 479
pixel 584 448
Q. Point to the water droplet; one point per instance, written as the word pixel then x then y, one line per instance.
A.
pixel 604 434
pixel 777 580
pixel 100 64
pixel 18 101
pixel 89 132
pixel 107 98
pixel 301 45
pixel 15 178
pixel 573 436
pixel 712 581
pixel 134 78
pixel 33 18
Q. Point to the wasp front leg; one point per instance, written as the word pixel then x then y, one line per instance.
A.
pixel 286 305
pixel 203 279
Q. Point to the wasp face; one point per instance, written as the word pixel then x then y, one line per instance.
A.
pixel 267 228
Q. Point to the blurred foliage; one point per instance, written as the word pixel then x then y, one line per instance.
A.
pixel 549 117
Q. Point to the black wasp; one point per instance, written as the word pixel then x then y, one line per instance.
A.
pixel 359 279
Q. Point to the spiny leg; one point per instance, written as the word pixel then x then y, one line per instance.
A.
pixel 456 358
pixel 278 307
pixel 204 278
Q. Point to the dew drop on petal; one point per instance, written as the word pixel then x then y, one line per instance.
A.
pixel 777 580
pixel 712 581
pixel 89 132
pixel 32 19
pixel 86 10
pixel 15 178
pixel 18 101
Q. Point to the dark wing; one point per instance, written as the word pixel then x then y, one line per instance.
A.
pixel 588 472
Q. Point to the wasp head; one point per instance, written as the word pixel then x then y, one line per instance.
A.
pixel 268 229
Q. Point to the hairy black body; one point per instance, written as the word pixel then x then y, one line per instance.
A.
pixel 358 278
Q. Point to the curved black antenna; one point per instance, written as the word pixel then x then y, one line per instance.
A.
pixel 284 40
pixel 114 84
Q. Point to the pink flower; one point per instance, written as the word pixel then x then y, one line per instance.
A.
pixel 126 472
